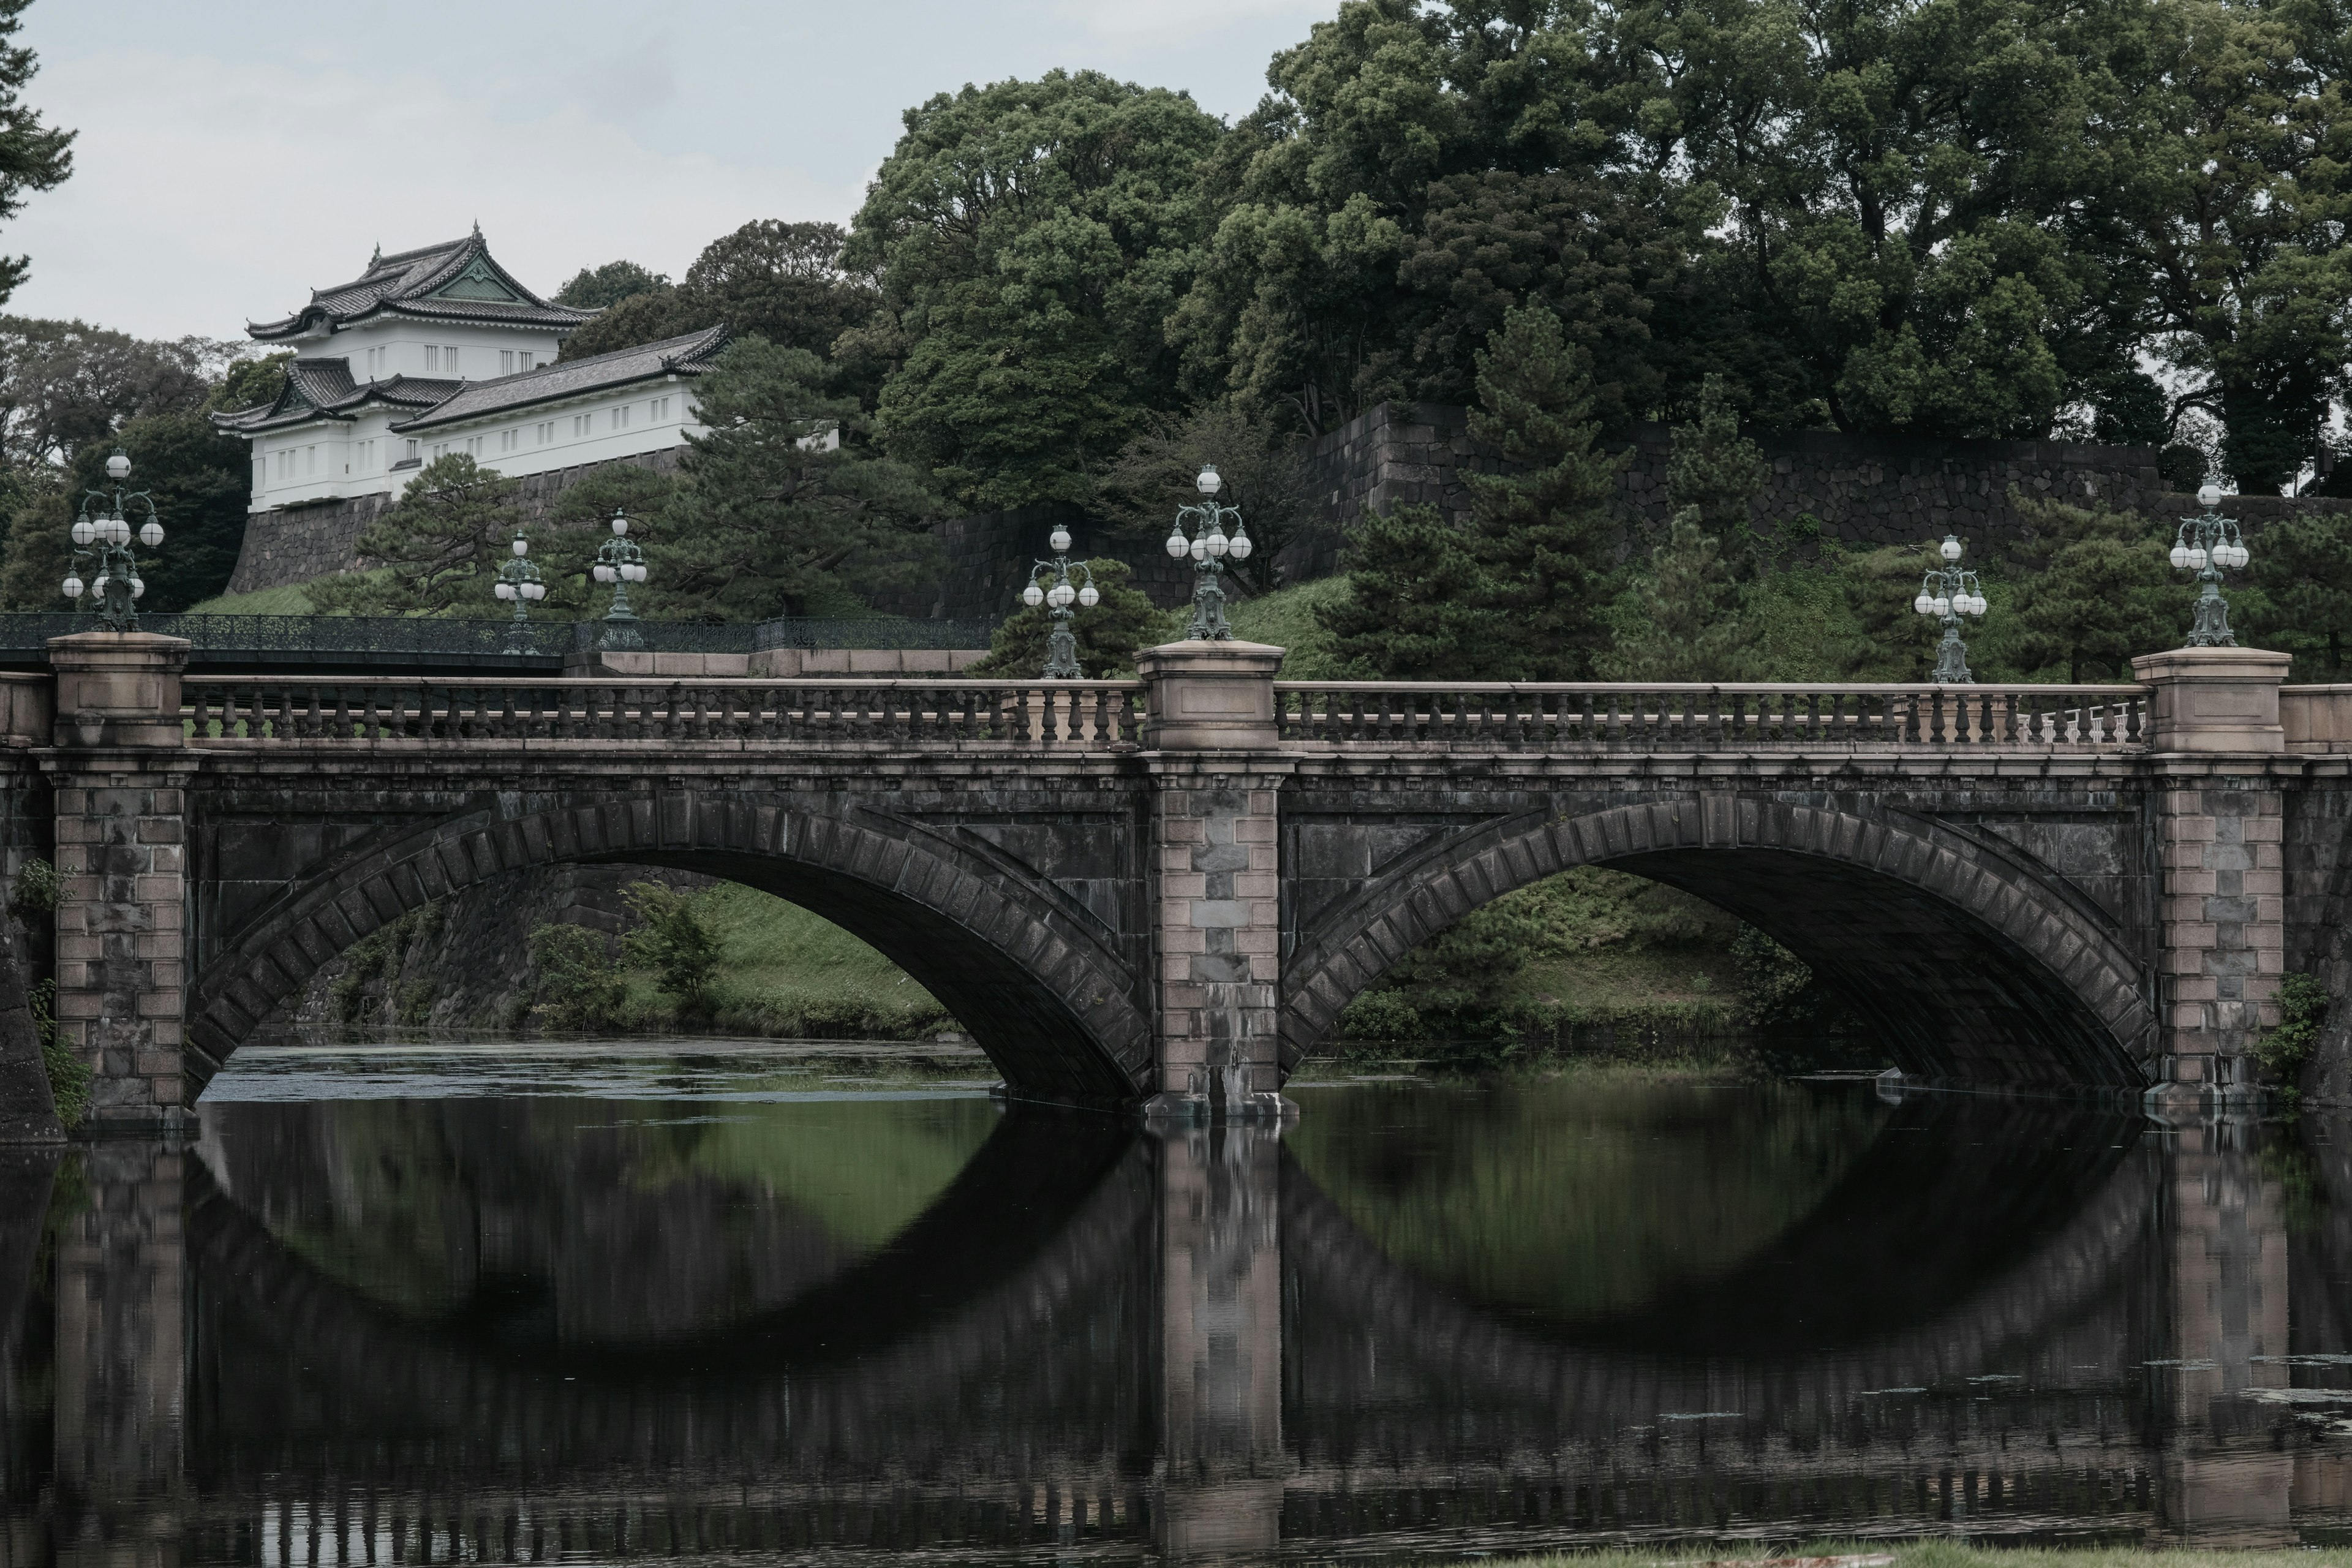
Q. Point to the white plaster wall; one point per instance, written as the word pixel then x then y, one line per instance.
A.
pixel 334 459
pixel 405 340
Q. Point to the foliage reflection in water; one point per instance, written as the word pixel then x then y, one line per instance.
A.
pixel 744 1303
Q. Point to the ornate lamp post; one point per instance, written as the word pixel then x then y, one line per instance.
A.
pixel 1949 591
pixel 519 583
pixel 1062 645
pixel 2210 545
pixel 1209 547
pixel 620 562
pixel 102 543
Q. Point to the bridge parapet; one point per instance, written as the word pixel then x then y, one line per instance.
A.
pixel 903 713
pixel 1515 716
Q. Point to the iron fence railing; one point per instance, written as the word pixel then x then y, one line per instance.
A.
pixel 1704 718
pixel 1092 715
pixel 415 634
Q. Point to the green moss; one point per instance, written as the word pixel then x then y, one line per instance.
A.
pixel 68 1075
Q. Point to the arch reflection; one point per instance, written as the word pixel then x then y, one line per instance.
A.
pixel 1995 1317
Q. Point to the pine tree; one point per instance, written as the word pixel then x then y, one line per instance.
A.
pixel 2104 593
pixel 1712 470
pixel 441 547
pixel 1109 634
pixel 33 156
pixel 2304 566
pixel 1681 622
pixel 1416 604
pixel 1542 530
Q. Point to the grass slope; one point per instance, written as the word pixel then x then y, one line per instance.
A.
pixel 788 974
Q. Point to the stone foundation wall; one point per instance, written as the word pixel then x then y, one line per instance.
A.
pixel 1863 491
pixel 298 543
pixel 988 556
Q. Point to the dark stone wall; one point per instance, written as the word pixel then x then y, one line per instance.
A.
pixel 987 557
pixel 1865 491
pixel 298 543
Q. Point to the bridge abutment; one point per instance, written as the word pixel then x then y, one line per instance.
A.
pixel 2220 820
pixel 120 773
pixel 1217 773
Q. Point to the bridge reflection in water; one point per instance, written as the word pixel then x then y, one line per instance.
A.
pixel 516 1331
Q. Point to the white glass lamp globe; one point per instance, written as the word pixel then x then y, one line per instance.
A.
pixel 1176 545
pixel 1240 547
pixel 2239 556
pixel 605 574
pixel 2180 558
pixel 1090 597
pixel 1950 548
pixel 1199 550
pixel 620 526
pixel 521 547
pixel 2208 495
pixel 1943 606
pixel 1062 595
pixel 1210 482
pixel 1058 540
pixel 634 574
pixel 502 591
pixel 1033 595
pixel 535 591
pixel 1977 606
pixel 2197 558
pixel 99 587
pixel 1925 604
pixel 72 586
pixel 84 532
pixel 1218 543
pixel 117 466
pixel 138 586
pixel 151 534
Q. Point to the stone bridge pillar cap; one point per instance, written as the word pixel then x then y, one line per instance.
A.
pixel 2211 663
pixel 1199 657
pixel 2214 700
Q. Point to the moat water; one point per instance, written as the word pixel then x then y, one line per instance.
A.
pixel 499 1304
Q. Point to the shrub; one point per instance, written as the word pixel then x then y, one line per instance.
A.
pixel 582 991
pixel 68 1075
pixel 2302 1009
pixel 675 940
pixel 36 888
pixel 1776 986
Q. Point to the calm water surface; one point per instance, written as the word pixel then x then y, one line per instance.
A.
pixel 504 1305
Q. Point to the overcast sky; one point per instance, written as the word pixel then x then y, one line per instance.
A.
pixel 237 153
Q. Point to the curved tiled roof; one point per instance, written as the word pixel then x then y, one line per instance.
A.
pixel 418 283
pixel 689 354
pixel 323 389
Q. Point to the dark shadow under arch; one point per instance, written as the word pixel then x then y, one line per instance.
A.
pixel 1971 967
pixel 1051 1001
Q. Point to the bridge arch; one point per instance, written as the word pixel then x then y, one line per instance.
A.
pixel 1974 966
pixel 1042 985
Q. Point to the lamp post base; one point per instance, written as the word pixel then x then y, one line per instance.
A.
pixel 1952 658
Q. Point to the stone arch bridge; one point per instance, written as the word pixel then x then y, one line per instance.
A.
pixel 1163 891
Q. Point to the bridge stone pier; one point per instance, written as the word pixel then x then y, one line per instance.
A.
pixel 1162 892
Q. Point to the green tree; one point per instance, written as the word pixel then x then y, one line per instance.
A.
pixel 1031 237
pixel 1541 528
pixel 437 552
pixel 66 384
pixel 2104 590
pixel 1891 640
pixel 601 288
pixel 773 279
pixel 2303 565
pixel 1416 603
pixel 2231 203
pixel 33 156
pixel 785 501
pixel 1264 470
pixel 1679 621
pixel 201 482
pixel 248 382
pixel 1712 469
pixel 1419 172
pixel 1108 635
pixel 674 939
